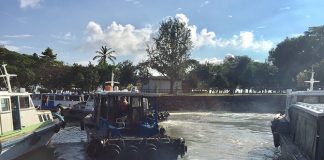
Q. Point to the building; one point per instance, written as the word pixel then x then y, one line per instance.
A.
pixel 161 84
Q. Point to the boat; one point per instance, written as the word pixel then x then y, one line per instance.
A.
pixel 49 101
pixel 81 109
pixel 121 128
pixel 23 128
pixel 299 132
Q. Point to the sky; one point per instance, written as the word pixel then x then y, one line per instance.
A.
pixel 76 29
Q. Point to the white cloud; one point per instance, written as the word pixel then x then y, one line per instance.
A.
pixel 213 60
pixel 261 27
pixel 133 1
pixel 129 41
pixel 230 16
pixel 29 3
pixel 6 44
pixel 245 40
pixel 285 8
pixel 182 18
pixel 295 35
pixel 64 37
pixel 18 36
pixel 10 46
pixel 124 39
pixel 204 3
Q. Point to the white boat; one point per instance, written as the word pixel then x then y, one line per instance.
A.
pixel 80 110
pixel 300 131
pixel 22 127
pixel 49 101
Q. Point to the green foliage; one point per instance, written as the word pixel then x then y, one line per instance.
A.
pixel 170 52
pixel 294 55
pixel 104 54
pixel 126 73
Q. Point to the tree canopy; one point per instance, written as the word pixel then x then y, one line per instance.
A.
pixel 171 50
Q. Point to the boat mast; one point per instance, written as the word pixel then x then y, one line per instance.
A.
pixel 7 76
pixel 311 81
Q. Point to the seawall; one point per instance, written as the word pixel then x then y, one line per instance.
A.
pixel 236 103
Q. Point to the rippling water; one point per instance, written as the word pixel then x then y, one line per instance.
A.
pixel 209 136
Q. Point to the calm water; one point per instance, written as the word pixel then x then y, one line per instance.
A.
pixel 209 136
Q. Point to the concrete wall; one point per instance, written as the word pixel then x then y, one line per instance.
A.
pixel 160 86
pixel 244 103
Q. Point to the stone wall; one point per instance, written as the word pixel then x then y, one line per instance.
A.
pixel 239 103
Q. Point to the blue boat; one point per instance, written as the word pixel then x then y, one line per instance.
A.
pixel 122 128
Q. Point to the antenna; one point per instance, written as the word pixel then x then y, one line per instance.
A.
pixel 7 76
pixel 312 81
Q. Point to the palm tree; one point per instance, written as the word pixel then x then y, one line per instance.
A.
pixel 104 54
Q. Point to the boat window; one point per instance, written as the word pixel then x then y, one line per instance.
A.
pixel 48 117
pixel 59 97
pixel 136 102
pixel 24 102
pixel 86 96
pixel 51 97
pixel 40 118
pixel 4 104
pixel 145 103
pixel 104 107
pixel 44 117
pixel 36 97
pixel 74 98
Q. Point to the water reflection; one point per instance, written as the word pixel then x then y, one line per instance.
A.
pixel 209 136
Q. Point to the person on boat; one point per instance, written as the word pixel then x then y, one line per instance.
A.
pixel 123 107
pixel 44 101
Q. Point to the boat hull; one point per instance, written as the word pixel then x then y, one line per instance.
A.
pixel 17 147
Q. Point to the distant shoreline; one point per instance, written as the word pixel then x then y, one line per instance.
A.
pixel 264 103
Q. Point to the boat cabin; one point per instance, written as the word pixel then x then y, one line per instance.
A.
pixel 17 111
pixel 129 112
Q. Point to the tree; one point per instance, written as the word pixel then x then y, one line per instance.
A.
pixel 127 73
pixel 104 54
pixel 142 73
pixel 294 55
pixel 170 53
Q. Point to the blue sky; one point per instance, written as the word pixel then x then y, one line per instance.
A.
pixel 75 29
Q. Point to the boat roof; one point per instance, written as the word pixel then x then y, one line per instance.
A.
pixel 128 94
pixel 6 93
pixel 308 93
pixel 61 94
